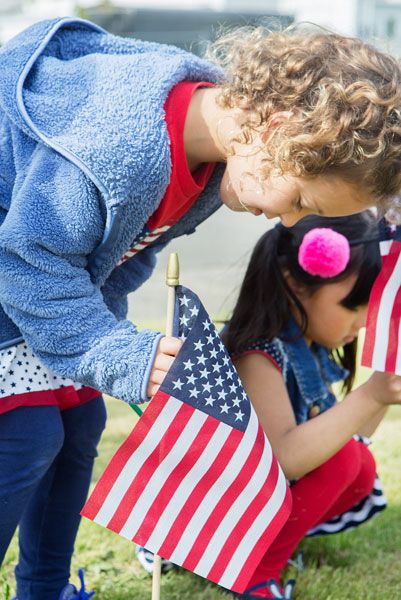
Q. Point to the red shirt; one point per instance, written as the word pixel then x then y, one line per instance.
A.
pixel 184 187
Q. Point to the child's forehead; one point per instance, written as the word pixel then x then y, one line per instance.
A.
pixel 332 291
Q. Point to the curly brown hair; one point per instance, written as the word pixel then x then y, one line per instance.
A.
pixel 344 96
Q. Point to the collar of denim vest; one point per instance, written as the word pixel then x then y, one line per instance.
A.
pixel 313 368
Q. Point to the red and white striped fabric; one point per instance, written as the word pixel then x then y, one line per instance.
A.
pixel 381 349
pixel 196 481
pixel 146 238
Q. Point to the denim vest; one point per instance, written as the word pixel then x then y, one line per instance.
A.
pixel 308 371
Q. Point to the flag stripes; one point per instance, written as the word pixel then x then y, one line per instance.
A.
pixel 381 345
pixel 251 501
pixel 183 504
pixel 143 241
pixel 213 505
pixel 126 461
pixel 270 521
pixel 155 482
pixel 174 488
pixel 238 492
pixel 208 477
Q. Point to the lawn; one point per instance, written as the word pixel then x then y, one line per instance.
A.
pixel 359 565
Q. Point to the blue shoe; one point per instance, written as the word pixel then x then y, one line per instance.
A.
pixel 145 557
pixel 70 592
pixel 272 587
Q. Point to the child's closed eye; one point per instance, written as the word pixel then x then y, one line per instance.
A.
pixel 297 204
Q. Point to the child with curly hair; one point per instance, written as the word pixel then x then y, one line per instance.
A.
pixel 110 148
pixel 293 334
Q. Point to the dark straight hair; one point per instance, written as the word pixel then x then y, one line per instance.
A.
pixel 265 299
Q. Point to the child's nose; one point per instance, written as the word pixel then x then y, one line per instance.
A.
pixel 361 317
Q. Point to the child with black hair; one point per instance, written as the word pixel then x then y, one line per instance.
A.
pixel 293 333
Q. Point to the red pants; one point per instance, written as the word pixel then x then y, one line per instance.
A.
pixel 329 490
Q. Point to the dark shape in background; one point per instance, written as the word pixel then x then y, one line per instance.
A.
pixel 188 29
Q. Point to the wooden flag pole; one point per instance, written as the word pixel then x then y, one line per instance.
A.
pixel 172 280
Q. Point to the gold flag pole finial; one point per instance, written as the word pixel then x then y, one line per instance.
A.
pixel 173 270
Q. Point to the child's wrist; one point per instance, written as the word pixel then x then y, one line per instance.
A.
pixel 372 396
pixel 367 399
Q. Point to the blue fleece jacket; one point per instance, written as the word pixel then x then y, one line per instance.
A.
pixel 84 162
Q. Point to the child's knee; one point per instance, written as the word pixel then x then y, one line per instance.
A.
pixel 367 473
pixel 345 465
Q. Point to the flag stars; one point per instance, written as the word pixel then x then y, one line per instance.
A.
pixel 239 416
pixel 204 376
pixel 184 320
pixel 219 381
pixel 206 387
pixel 188 364
pixel 194 311
pixel 184 301
pixel 178 384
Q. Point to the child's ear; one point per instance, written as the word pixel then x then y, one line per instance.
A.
pixel 274 121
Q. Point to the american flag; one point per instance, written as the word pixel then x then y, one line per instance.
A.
pixel 196 481
pixel 381 349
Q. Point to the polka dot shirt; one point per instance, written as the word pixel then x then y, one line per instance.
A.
pixel 271 350
pixel 21 371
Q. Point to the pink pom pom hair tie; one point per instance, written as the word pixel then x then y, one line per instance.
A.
pixel 324 252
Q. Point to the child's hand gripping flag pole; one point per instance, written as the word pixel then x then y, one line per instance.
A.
pixel 196 481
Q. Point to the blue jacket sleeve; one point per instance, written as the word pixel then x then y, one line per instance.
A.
pixel 55 220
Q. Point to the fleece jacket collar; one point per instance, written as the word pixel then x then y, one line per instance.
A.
pixel 68 83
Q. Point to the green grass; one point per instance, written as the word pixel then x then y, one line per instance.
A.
pixel 358 565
